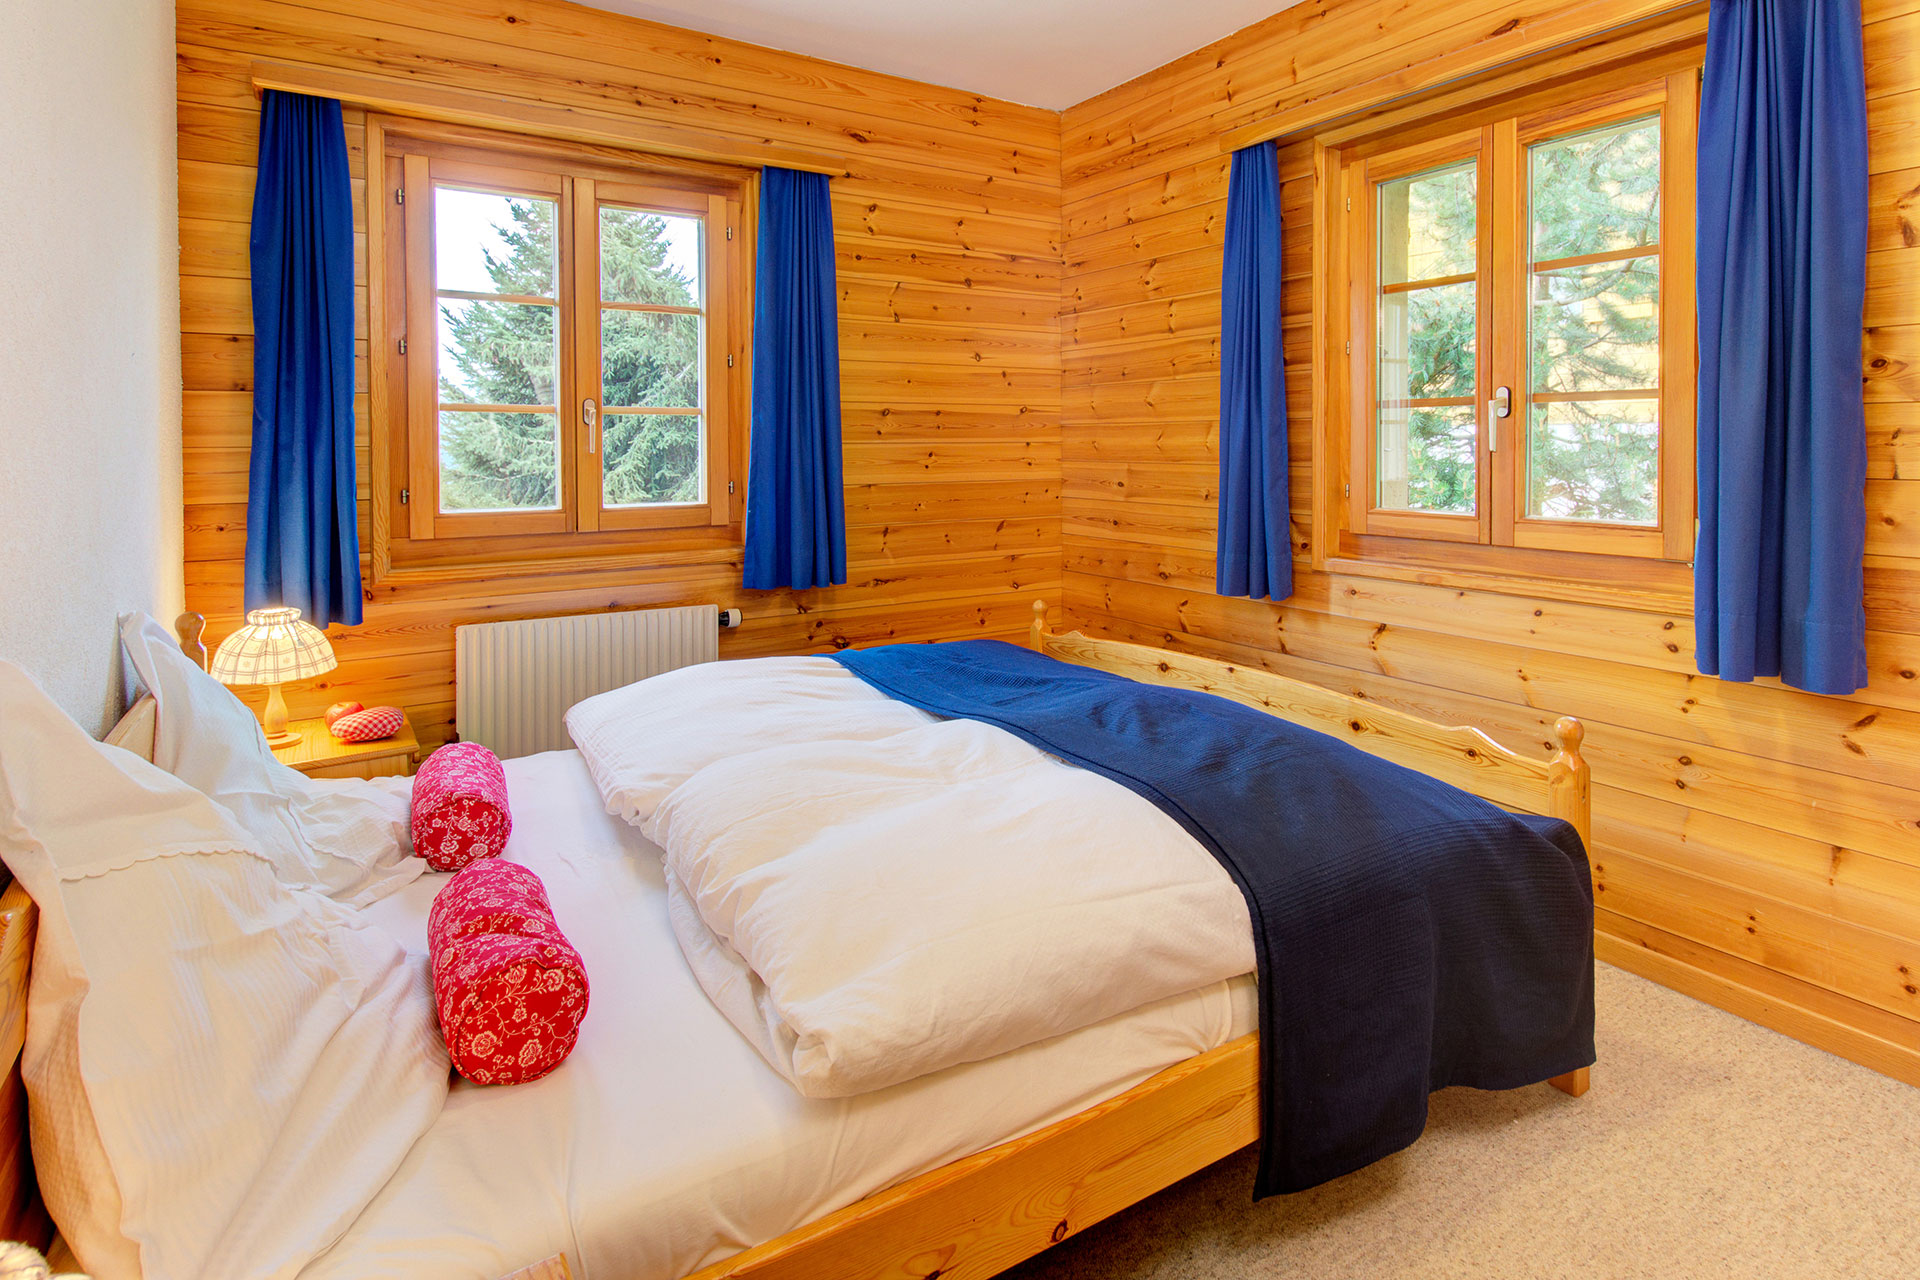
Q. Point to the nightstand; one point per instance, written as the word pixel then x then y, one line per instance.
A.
pixel 319 754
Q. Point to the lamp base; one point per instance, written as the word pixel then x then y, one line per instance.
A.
pixel 274 722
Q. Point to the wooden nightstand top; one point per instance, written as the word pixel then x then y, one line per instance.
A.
pixel 319 754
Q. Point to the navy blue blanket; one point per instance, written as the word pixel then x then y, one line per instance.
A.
pixel 1410 936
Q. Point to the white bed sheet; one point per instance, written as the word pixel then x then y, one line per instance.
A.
pixel 665 1142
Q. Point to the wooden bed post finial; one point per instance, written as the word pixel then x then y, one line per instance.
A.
pixel 190 627
pixel 1569 733
pixel 1039 623
pixel 1568 779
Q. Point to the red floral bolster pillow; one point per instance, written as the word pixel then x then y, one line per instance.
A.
pixel 460 807
pixel 508 986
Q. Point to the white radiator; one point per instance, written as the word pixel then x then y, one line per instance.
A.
pixel 515 681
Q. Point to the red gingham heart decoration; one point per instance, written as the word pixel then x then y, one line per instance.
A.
pixel 370 725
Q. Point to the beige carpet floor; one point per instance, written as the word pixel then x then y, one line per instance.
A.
pixel 1708 1147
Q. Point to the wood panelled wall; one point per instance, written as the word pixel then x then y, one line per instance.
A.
pixel 948 225
pixel 1030 337
pixel 1756 846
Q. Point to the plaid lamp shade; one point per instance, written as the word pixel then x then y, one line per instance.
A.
pixel 274 647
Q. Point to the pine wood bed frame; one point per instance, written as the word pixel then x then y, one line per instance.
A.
pixel 978 1216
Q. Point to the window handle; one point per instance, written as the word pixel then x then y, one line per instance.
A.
pixel 1499 407
pixel 590 415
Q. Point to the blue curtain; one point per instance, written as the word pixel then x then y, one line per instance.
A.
pixel 1782 281
pixel 303 544
pixel 1255 551
pixel 796 518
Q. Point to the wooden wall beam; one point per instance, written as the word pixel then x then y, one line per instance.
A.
pixel 545 120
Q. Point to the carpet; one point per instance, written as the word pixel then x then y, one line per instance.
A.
pixel 1708 1147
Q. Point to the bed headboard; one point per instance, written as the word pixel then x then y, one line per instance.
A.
pixel 1464 757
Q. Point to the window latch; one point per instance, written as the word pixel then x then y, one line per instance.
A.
pixel 1499 407
pixel 590 415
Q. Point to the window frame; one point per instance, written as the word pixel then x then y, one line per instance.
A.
pixel 410 535
pixel 1499 539
pixel 590 196
pixel 1366 176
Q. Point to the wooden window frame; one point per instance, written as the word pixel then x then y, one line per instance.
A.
pixel 411 538
pixel 1498 542
pixel 1366 175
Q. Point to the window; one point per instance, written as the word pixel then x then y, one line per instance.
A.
pixel 1519 342
pixel 564 355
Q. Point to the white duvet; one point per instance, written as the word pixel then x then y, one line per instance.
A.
pixel 871 894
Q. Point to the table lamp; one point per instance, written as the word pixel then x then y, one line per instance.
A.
pixel 273 648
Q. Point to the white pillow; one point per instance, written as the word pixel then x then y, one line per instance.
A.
pixel 134 730
pixel 348 839
pixel 221 1070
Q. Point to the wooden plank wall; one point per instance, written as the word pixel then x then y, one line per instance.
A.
pixel 1756 846
pixel 1030 335
pixel 948 223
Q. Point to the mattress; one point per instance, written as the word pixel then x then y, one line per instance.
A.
pixel 666 1142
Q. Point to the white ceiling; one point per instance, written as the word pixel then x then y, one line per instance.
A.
pixel 1046 53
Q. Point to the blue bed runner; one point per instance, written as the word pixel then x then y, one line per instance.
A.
pixel 1410 936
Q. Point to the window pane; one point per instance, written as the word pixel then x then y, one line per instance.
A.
pixel 1595 460
pixel 1428 224
pixel 1427 459
pixel 649 257
pixel 650 458
pixel 499 461
pixel 1596 192
pixel 1597 327
pixel 650 359
pixel 1428 341
pixel 498 353
pixel 486 243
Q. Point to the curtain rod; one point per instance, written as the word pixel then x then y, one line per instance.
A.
pixel 1301 119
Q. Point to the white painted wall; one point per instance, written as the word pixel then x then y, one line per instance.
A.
pixel 90 504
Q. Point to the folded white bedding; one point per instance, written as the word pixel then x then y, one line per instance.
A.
pixel 870 911
pixel 664 1144
pixel 645 739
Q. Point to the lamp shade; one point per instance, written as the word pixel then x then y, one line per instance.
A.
pixel 274 647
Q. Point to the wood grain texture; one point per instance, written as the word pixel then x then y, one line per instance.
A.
pixel 454 106
pixel 978 1216
pixel 1459 755
pixel 1754 845
pixel 1030 338
pixel 318 754
pixel 947 223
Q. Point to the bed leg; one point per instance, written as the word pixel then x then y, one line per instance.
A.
pixel 1574 1083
